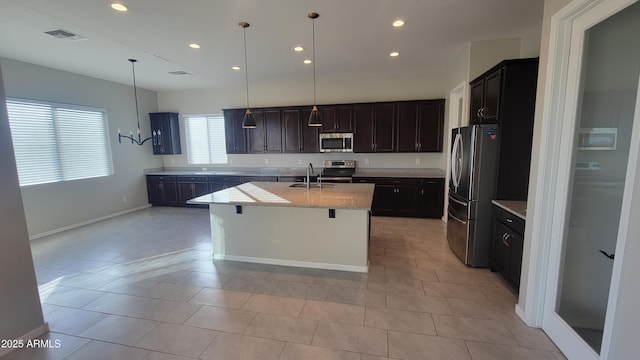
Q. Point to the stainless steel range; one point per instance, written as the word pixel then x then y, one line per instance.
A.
pixel 338 171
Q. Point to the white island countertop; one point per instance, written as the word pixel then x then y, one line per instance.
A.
pixel 334 195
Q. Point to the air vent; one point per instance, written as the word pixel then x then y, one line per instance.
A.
pixel 179 73
pixel 65 35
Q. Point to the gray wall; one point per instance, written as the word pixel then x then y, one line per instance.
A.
pixel 53 206
pixel 20 311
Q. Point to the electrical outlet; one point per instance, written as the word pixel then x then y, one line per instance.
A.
pixel 366 161
pixel 417 161
pixel 173 161
pixel 299 161
pixel 204 169
pixel 124 198
pixel 266 161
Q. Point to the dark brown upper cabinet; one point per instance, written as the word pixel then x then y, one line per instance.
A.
pixel 336 118
pixel 363 134
pixel 234 133
pixel 165 133
pixel 430 126
pixel 297 137
pixel 266 137
pixel 384 127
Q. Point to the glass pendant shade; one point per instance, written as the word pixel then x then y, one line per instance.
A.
pixel 248 122
pixel 314 117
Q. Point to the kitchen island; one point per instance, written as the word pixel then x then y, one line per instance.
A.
pixel 284 223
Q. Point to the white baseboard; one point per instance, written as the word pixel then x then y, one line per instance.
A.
pixel 69 227
pixel 304 264
pixel 33 334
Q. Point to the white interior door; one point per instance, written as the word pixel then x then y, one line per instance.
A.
pixel 594 178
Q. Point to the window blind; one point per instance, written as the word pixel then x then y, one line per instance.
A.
pixel 206 142
pixel 58 142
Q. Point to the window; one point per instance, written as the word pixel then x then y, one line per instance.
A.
pixel 205 139
pixel 54 142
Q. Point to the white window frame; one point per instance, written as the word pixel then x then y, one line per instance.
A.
pixel 60 167
pixel 210 145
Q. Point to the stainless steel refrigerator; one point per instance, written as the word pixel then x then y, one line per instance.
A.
pixel 474 159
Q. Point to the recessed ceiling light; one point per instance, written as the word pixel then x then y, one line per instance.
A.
pixel 398 23
pixel 307 61
pixel 235 68
pixel 119 7
pixel 298 49
pixel 194 46
pixel 394 54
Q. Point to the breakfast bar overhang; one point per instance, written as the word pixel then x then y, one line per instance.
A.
pixel 324 226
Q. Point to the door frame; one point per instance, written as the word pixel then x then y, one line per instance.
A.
pixel 561 95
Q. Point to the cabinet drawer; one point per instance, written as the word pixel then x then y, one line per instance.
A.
pixel 161 178
pixel 187 178
pixel 225 179
pixel 512 221
pixel 364 180
pixel 259 178
pixel 397 181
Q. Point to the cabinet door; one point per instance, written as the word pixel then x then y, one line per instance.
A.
pixel 476 101
pixel 256 136
pixel 154 190
pixel 383 127
pixel 499 250
pixel 234 133
pixel 363 135
pixel 166 128
pixel 516 244
pixel 169 192
pixel 407 197
pixel 291 130
pixel 343 118
pixel 407 127
pixel 272 131
pixel 310 134
pixel 328 118
pixel 432 198
pixel 430 125
pixel 384 199
pixel 492 88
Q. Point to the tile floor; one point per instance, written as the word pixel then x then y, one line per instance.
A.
pixel 142 286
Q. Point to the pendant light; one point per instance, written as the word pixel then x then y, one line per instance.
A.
pixel 139 140
pixel 314 117
pixel 248 122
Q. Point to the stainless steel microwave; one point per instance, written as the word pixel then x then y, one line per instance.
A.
pixel 336 142
pixel 597 139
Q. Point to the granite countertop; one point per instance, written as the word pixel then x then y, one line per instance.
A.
pixel 517 208
pixel 334 196
pixel 360 172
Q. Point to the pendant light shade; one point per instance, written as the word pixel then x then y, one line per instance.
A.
pixel 248 122
pixel 314 117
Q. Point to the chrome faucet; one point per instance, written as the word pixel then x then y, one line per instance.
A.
pixel 309 172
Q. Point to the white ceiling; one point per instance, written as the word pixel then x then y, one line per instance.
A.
pixel 352 36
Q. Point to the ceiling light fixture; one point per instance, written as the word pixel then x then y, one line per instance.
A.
pixel 298 49
pixel 248 122
pixel 194 46
pixel 394 54
pixel 119 7
pixel 314 117
pixel 139 140
pixel 236 68
pixel 307 61
pixel 398 23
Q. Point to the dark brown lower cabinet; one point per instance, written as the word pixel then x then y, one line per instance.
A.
pixel 217 183
pixel 162 190
pixel 406 197
pixel 190 187
pixel 508 241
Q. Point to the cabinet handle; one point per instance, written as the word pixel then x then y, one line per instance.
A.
pixel 482 112
pixel 421 192
pixel 505 239
pixel 478 114
pixel 509 220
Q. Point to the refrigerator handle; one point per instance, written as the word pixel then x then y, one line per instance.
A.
pixel 455 162
pixel 457 219
pixel 458 201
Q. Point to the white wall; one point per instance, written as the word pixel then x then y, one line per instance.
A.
pixel 487 53
pixel 53 206
pixel 398 86
pixel 20 311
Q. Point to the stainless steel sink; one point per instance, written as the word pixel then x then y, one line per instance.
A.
pixel 312 186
